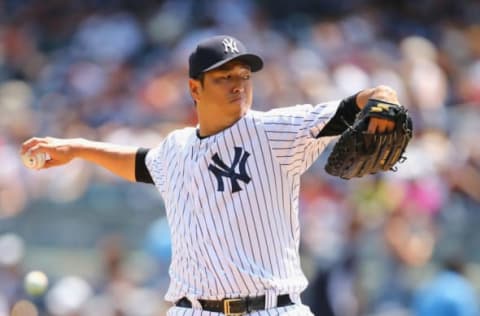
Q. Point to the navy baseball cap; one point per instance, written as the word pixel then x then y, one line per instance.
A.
pixel 219 50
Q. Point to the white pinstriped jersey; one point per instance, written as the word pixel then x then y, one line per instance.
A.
pixel 232 202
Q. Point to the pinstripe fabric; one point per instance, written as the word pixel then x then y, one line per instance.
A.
pixel 293 310
pixel 238 243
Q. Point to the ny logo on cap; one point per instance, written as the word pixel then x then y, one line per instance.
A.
pixel 230 45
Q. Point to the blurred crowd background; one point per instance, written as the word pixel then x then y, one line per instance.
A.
pixel 116 70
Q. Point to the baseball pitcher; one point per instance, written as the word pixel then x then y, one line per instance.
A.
pixel 231 184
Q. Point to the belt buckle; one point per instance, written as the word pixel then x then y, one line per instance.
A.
pixel 226 306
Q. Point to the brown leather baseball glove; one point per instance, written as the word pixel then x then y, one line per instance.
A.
pixel 359 152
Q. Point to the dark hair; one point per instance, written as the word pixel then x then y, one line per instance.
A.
pixel 201 78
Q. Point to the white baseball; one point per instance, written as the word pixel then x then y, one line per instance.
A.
pixel 36 161
pixel 36 283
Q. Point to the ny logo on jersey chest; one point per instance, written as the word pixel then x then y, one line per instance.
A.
pixel 220 169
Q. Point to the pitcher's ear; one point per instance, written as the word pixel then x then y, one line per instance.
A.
pixel 193 86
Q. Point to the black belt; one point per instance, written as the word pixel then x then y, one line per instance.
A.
pixel 235 306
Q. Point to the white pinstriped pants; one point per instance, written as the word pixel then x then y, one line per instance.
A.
pixel 291 310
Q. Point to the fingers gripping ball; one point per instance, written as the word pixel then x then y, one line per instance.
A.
pixel 358 152
pixel 35 283
pixel 36 161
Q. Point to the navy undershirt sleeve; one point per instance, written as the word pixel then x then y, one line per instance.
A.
pixel 141 172
pixel 346 113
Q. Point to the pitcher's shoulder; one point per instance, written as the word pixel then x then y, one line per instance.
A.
pixel 181 135
pixel 255 115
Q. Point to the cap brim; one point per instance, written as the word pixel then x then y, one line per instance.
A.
pixel 252 60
